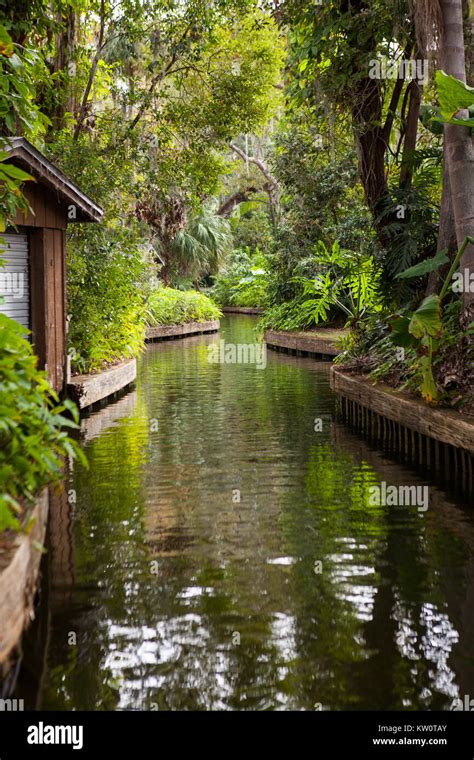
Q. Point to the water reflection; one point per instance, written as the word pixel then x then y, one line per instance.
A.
pixel 298 592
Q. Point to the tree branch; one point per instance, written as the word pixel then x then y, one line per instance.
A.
pixel 241 196
pixel 258 163
pixel 272 186
pixel 397 91
pixel 157 79
pixel 92 71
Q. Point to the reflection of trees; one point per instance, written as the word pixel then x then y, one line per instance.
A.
pixel 334 524
pixel 415 628
pixel 346 637
pixel 107 508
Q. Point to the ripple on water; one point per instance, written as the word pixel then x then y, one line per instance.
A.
pixel 222 554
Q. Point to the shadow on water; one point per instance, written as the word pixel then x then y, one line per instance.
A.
pixel 223 552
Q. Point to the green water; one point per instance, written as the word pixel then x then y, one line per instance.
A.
pixel 163 591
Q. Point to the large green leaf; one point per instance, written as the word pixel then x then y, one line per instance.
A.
pixel 426 320
pixel 424 267
pixel 8 170
pixel 453 94
pixel 429 117
pixel 459 122
pixel 401 335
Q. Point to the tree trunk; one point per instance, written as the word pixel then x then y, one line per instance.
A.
pixel 64 62
pixel 367 116
pixel 446 234
pixel 468 8
pixel 459 145
pixel 409 144
pixel 372 140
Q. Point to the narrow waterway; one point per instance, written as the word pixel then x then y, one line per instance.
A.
pixel 221 552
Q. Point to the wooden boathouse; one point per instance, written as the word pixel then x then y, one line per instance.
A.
pixel 34 256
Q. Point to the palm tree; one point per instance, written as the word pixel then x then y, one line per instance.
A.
pixel 200 247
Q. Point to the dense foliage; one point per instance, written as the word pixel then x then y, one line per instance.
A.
pixel 243 280
pixel 142 104
pixel 107 288
pixel 167 306
pixel 333 286
pixel 264 151
pixel 33 427
pixel 33 423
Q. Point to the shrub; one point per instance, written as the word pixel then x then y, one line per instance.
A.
pixel 32 439
pixel 253 230
pixel 243 280
pixel 107 282
pixel 167 306
pixel 332 286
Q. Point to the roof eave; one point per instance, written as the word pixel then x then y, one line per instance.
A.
pixel 49 174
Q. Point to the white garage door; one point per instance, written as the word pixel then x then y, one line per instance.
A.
pixel 14 278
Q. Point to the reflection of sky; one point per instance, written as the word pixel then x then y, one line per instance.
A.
pixel 434 645
pixel 347 574
pixel 184 640
pixel 132 650
pixel 283 637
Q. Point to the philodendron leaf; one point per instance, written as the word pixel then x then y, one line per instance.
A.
pixel 424 267
pixel 426 320
pixel 400 332
pixel 453 94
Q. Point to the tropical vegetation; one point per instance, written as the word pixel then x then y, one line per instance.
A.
pixel 167 306
pixel 33 428
pixel 315 160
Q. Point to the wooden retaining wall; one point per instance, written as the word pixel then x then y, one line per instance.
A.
pixel 168 332
pixel 19 569
pixel 86 390
pixel 436 439
pixel 318 345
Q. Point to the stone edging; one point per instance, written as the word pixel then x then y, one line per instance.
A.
pixel 302 342
pixel 163 332
pixel 243 309
pixel 86 390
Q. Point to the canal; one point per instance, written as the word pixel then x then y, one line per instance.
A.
pixel 222 552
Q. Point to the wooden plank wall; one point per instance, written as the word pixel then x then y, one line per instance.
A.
pixel 54 297
pixel 48 210
pixel 38 294
pixel 47 237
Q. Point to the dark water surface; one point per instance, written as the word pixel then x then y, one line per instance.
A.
pixel 180 597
